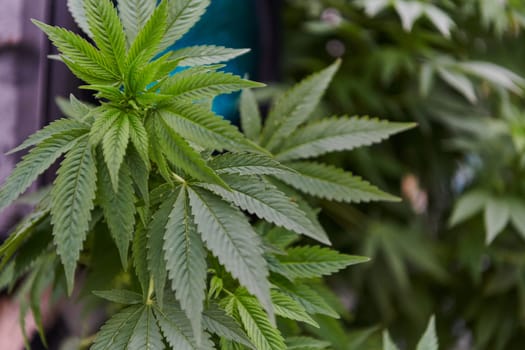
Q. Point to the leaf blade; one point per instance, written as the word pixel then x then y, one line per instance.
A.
pixel 108 33
pixel 287 307
pixel 264 200
pixel 230 237
pixel 497 215
pixel 205 128
pixel 182 15
pixel 144 43
pixel 177 329
pixel 56 127
pixel 181 155
pixel 219 322
pixel 186 261
pixel 467 206
pixel 337 134
pixel 325 181
pixel 117 331
pixel 294 107
pixel 429 339
pixel 134 14
pixel 204 85
pixel 33 164
pixel 76 8
pixel 84 60
pixel 388 343
pixel 205 54
pixel 146 334
pixel 247 164
pixel 257 325
pixel 72 196
pixel 114 145
pixel 251 120
pixel 315 261
pixel 155 252
pixel 119 296
pixel 118 208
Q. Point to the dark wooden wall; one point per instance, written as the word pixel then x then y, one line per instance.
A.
pixel 22 52
pixel 29 82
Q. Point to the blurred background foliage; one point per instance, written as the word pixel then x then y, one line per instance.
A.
pixel 455 246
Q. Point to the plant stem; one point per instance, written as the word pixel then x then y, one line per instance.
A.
pixel 178 178
pixel 86 342
pixel 151 288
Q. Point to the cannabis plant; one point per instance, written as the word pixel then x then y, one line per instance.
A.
pixel 187 226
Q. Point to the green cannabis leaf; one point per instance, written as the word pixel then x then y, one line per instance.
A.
pixel 203 218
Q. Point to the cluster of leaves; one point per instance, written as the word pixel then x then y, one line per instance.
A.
pixel 156 195
pixel 456 249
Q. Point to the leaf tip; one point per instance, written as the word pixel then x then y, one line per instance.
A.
pixel 409 126
pixel 37 22
pixel 391 198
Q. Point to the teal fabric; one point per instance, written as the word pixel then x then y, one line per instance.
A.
pixel 230 23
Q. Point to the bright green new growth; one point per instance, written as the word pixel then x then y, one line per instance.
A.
pixel 171 183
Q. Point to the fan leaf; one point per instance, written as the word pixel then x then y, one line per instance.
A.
pixel 313 262
pixel 230 237
pixel 287 307
pixel 118 207
pixel 205 54
pixel 114 145
pixel 251 120
pixel 144 43
pixel 182 15
pixel 88 63
pixel 264 200
pixel 33 164
pixel 336 134
pixel 263 335
pixel 312 302
pixel 76 8
pixel 56 127
pixel 247 164
pixel 295 107
pixel 108 33
pixel 205 85
pixel 181 155
pixel 139 138
pixel 72 201
pixel 146 334
pixel 134 14
pixel 177 328
pixel 203 127
pixel 117 332
pixel 119 296
pixel 219 322
pixel 140 258
pixel 186 261
pixel 328 182
pixel 156 258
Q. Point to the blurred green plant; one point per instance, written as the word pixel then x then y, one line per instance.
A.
pixel 456 247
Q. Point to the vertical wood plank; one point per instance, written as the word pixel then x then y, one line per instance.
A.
pixel 22 53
